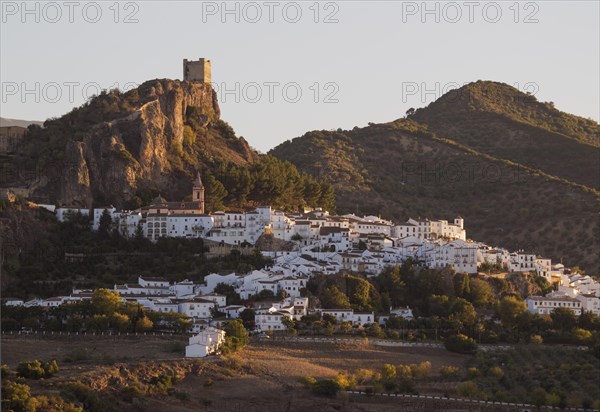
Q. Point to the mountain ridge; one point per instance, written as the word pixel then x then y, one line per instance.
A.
pixel 441 161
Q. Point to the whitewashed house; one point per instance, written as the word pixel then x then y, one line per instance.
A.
pixel 272 319
pixel 219 300
pixel 206 342
pixel 545 305
pixel 196 308
pixel 233 311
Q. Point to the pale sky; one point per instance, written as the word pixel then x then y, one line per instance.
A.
pixel 369 62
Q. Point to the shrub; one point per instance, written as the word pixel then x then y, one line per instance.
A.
pixel 536 339
pixel 496 372
pixel 388 372
pixel 325 387
pixel 37 370
pixel 449 371
pixel 189 137
pixel 307 380
pixel 86 396
pixel 468 389
pixel 162 384
pixel 128 393
pixel 422 370
pixel 345 381
pixel 473 373
pixel 581 335
pixel 461 344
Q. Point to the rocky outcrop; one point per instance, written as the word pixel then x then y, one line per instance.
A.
pixel 120 143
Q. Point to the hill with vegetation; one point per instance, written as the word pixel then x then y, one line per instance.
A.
pixel 125 148
pixel 521 173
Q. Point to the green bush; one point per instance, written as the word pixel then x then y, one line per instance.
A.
pixel 37 370
pixel 461 344
pixel 325 387
pixel 449 371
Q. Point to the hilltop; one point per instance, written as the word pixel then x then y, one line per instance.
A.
pixel 125 148
pixel 521 173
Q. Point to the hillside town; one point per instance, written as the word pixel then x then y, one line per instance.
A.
pixel 317 243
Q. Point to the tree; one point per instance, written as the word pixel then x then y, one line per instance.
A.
pixel 509 309
pixel 462 285
pixel 139 232
pixel 215 193
pixel 333 298
pixel 589 321
pixel 460 344
pixel 389 281
pixel 247 316
pixel 233 298
pixel 143 324
pixel 236 336
pixel 464 312
pixel 375 331
pixel 563 319
pixel 410 112
pixel 291 325
pixel 327 200
pixel 481 293
pixel 538 397
pixel 105 301
pixel 98 323
pixel 120 322
pixel 106 222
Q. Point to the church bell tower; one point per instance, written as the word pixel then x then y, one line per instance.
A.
pixel 198 192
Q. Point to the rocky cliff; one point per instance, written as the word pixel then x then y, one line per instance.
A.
pixel 120 143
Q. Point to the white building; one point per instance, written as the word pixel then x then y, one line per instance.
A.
pixel 545 305
pixel 196 308
pixel 272 319
pixel 348 315
pixel 205 343
pixel 63 213
pixel 589 303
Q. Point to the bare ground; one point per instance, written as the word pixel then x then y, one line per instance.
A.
pixel 263 377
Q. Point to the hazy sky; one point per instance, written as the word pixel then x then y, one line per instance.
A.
pixel 353 62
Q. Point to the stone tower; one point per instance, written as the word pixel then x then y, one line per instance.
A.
pixel 198 192
pixel 198 71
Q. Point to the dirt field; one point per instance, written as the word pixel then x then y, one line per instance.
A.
pixel 264 376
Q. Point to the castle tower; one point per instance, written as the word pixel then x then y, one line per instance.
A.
pixel 198 71
pixel 198 192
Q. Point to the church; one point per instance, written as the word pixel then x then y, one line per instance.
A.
pixel 178 219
